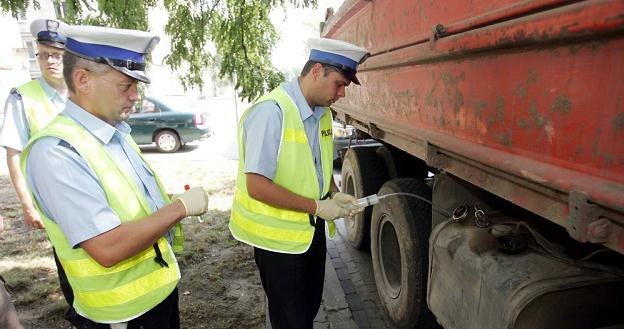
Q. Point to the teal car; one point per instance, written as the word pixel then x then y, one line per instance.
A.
pixel 155 121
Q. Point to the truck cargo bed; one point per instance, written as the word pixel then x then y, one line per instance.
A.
pixel 524 99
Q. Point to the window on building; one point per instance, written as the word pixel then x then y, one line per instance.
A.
pixel 60 8
pixel 31 49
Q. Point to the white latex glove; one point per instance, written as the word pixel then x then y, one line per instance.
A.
pixel 195 201
pixel 344 199
pixel 330 209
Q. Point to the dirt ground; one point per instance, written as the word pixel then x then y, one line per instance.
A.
pixel 220 287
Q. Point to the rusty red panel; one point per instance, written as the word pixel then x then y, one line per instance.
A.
pixel 589 19
pixel 538 96
pixel 385 25
pixel 535 103
pixel 579 20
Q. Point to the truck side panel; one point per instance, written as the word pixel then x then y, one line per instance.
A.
pixel 525 100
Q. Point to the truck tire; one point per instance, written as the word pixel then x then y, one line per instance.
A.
pixel 400 164
pixel 400 231
pixel 363 174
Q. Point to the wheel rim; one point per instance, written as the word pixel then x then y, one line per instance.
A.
pixel 389 256
pixel 166 142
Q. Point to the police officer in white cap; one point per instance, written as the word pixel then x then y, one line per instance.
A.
pixel 285 193
pixel 105 211
pixel 32 105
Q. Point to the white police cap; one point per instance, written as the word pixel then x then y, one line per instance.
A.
pixel 46 32
pixel 340 54
pixel 123 50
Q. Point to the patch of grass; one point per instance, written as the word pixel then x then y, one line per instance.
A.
pixel 31 243
pixel 223 270
pixel 36 294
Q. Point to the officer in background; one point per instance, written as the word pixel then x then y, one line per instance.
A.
pixel 284 181
pixel 32 105
pixel 105 210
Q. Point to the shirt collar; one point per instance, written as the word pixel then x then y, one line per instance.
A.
pixel 100 129
pixel 51 92
pixel 302 104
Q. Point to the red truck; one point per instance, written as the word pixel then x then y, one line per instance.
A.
pixel 506 119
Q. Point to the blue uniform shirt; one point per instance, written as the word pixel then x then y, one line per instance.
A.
pixel 15 131
pixel 69 192
pixel 262 133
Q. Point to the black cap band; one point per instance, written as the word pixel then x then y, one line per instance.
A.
pixel 127 64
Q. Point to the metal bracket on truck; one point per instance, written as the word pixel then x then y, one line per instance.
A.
pixel 587 224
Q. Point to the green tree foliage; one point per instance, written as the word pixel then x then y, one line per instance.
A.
pixel 16 6
pixel 241 31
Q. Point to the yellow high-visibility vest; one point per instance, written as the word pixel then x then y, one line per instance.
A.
pixel 39 109
pixel 275 229
pixel 133 286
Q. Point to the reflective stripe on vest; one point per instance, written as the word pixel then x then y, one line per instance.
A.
pixel 133 286
pixel 270 228
pixel 39 109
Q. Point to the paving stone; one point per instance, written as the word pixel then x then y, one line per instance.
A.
pixel 354 302
pixel 355 277
pixel 347 287
pixel 346 257
pixel 352 268
pixel 370 307
pixel 361 319
pixel 320 325
pixel 338 264
pixel 342 274
pixel 321 316
pixel 333 295
pixel 341 320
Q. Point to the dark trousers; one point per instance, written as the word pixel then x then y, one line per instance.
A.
pixel 67 290
pixel 294 283
pixel 165 315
